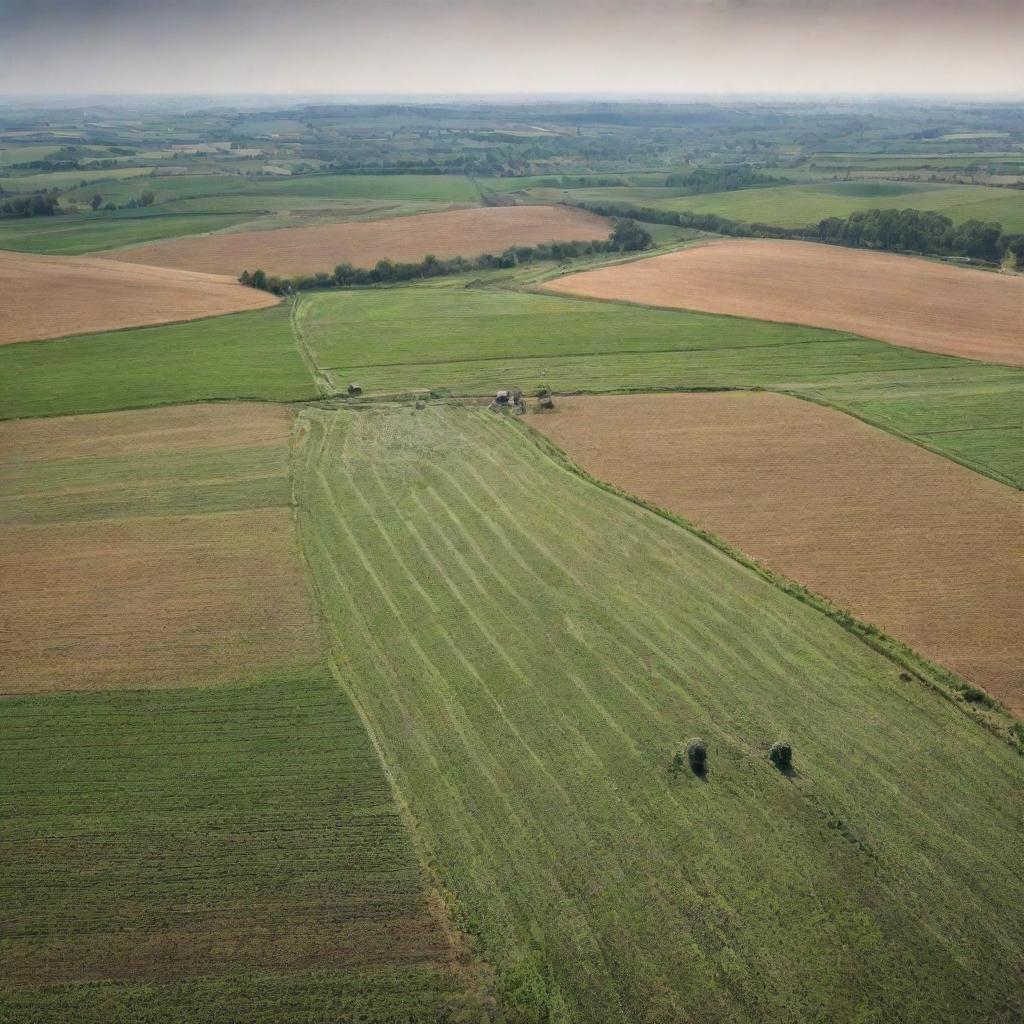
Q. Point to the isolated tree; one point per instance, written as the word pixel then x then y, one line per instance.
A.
pixel 147 199
pixel 628 236
pixel 697 755
pixel 96 202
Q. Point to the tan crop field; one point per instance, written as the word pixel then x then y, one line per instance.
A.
pixel 290 251
pixel 149 549
pixel 54 296
pixel 905 539
pixel 899 299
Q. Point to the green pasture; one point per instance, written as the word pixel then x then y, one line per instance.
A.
pixel 530 651
pixel 22 182
pixel 243 355
pixel 473 341
pixel 208 855
pixel 80 233
pixel 797 205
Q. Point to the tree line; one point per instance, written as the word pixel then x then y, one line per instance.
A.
pixel 626 236
pixel 721 179
pixel 917 231
pixel 37 205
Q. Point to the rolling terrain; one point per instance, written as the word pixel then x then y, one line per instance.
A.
pixel 472 341
pixel 904 539
pixel 530 651
pixel 290 251
pixel 49 297
pixel 911 302
pixel 201 830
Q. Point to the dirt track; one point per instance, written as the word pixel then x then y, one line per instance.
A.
pixel 289 251
pixel 899 299
pixel 54 296
pixel 929 551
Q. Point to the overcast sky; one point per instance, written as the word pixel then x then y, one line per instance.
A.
pixel 511 46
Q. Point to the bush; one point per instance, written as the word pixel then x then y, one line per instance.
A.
pixel 781 755
pixel 697 755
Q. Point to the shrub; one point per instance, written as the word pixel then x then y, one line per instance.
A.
pixel 781 755
pixel 697 755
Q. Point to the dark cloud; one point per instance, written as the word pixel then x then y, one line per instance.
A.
pixel 493 46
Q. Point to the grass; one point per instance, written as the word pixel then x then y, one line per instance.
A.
pixel 414 187
pixel 243 355
pixel 222 854
pixel 797 205
pixel 74 234
pixel 531 650
pixel 472 341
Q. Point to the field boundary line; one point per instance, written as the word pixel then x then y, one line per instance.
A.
pixel 944 682
pixel 323 382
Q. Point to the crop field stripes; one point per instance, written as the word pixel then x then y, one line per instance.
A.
pixel 527 650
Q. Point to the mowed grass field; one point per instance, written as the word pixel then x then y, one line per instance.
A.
pixel 244 355
pixel 901 299
pixel 903 538
pixel 52 296
pixel 797 205
pixel 472 341
pixel 530 651
pixel 150 548
pixel 201 831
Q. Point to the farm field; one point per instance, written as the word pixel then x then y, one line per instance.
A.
pixel 49 297
pixel 73 234
pixel 905 539
pixel 129 550
pixel 472 341
pixel 290 251
pixel 797 205
pixel 226 853
pixel 900 299
pixel 243 355
pixel 530 650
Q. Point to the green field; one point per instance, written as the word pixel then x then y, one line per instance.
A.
pixel 78 233
pixel 416 187
pixel 530 651
pixel 797 205
pixel 243 355
pixel 220 854
pixel 116 176
pixel 472 341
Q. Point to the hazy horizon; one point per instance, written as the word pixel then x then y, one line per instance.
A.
pixel 480 48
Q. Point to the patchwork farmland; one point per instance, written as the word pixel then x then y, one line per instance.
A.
pixel 47 297
pixel 903 538
pixel 916 303
pixel 290 251
pixel 530 650
pixel 335 690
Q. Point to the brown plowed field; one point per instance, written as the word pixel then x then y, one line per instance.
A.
pixel 290 251
pixel 927 550
pixel 101 588
pixel 54 296
pixel 899 299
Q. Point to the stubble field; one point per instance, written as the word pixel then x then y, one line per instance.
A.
pixel 290 251
pixel 52 296
pixel 899 299
pixel 150 548
pixel 905 539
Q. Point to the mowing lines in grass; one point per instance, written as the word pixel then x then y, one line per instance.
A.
pixel 530 651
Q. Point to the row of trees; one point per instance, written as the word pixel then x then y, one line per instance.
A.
pixel 37 205
pixel 626 236
pixel 919 231
pixel 721 179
